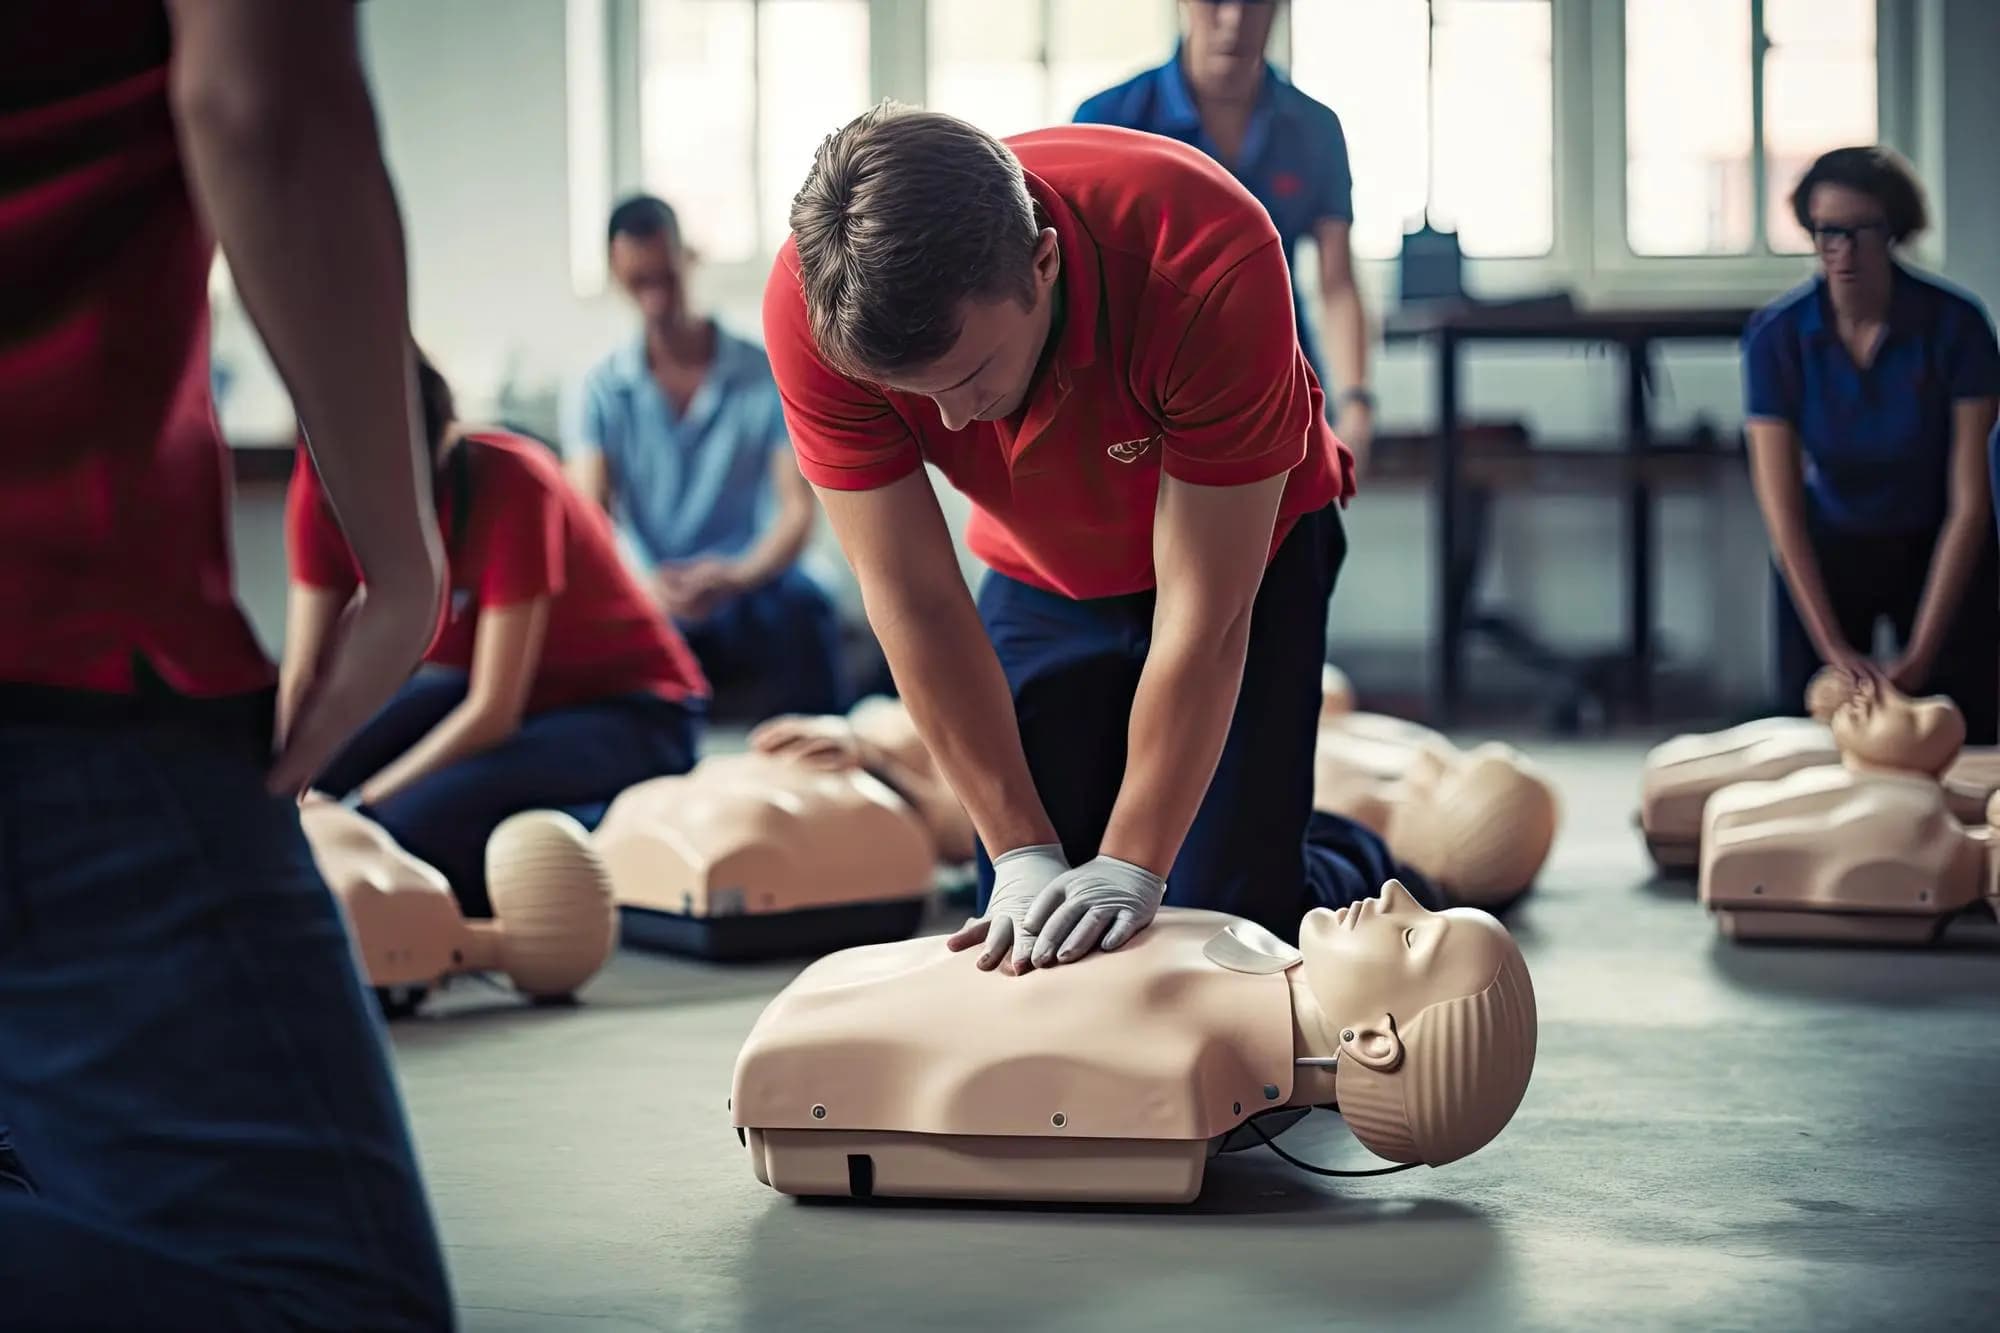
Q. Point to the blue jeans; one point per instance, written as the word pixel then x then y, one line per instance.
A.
pixel 775 649
pixel 192 1072
pixel 1256 848
pixel 576 759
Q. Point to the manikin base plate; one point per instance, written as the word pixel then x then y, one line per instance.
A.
pixel 864 1164
pixel 1829 927
pixel 806 933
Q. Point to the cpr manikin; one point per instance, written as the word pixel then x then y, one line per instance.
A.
pixel 1864 850
pixel 553 924
pixel 1680 775
pixel 903 1069
pixel 1477 823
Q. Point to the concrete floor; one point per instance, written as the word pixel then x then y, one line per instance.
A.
pixel 1716 1137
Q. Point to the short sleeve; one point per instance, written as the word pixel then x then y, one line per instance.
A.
pixel 315 547
pixel 846 435
pixel 583 418
pixel 515 546
pixel 1235 398
pixel 1332 182
pixel 1972 361
pixel 1100 109
pixel 1770 373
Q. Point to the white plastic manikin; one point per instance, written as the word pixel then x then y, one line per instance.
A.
pixel 1679 775
pixel 1478 823
pixel 1865 850
pixel 553 927
pixel 903 1069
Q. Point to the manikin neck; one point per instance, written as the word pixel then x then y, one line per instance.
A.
pixel 1313 1037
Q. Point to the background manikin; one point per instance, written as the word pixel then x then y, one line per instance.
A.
pixel 1111 1081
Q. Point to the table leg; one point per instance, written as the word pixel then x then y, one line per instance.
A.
pixel 1448 648
pixel 1639 530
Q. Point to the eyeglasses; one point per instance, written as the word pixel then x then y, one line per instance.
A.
pixel 1826 236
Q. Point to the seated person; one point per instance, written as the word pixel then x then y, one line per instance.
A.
pixel 553 682
pixel 878 738
pixel 1477 824
pixel 681 436
pixel 1870 837
pixel 1111 1082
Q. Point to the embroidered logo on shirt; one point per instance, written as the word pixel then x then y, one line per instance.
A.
pixel 1130 451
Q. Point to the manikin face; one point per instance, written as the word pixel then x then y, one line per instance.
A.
pixel 988 372
pixel 1882 727
pixel 1373 966
pixel 1850 234
pixel 1224 48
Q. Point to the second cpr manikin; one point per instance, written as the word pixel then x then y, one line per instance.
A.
pixel 901 1069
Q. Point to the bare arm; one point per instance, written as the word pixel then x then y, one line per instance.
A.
pixel 1345 320
pixel 1210 547
pixel 1777 474
pixel 591 476
pixel 946 670
pixel 1968 526
pixel 280 139
pixel 310 616
pixel 506 651
pixel 779 547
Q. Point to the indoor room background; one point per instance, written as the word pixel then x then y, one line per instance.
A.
pixel 1564 141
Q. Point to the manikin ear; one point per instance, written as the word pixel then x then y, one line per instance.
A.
pixel 1374 1043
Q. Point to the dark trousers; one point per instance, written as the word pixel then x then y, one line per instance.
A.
pixel 775 649
pixel 192 1073
pixel 1872 578
pixel 576 759
pixel 1256 849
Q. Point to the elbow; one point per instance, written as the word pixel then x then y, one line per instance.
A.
pixel 239 115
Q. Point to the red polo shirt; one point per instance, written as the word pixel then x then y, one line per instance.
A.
pixel 1177 352
pixel 529 535
pixel 114 481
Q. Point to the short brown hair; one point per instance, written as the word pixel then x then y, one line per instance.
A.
pixel 1881 174
pixel 904 216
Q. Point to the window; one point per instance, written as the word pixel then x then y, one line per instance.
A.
pixel 1448 103
pixel 1766 106
pixel 734 97
pixel 1014 65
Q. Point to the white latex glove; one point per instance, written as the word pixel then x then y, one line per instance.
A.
pixel 1100 904
pixel 1019 877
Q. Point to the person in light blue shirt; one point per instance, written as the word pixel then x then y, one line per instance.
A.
pixel 1220 94
pixel 680 435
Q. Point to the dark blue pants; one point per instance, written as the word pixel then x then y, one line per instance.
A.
pixel 575 759
pixel 192 1072
pixel 775 649
pixel 1256 848
pixel 1872 577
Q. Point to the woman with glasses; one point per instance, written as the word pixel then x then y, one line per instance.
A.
pixel 1870 393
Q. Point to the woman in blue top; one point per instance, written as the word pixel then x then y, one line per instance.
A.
pixel 1870 393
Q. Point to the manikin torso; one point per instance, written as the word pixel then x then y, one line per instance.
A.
pixel 400 912
pixel 1681 774
pixel 1150 1041
pixel 752 833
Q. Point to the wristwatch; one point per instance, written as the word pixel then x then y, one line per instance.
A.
pixel 1358 394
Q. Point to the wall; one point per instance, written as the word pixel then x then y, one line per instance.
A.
pixel 473 103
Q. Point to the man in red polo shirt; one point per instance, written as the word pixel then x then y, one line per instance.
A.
pixel 1089 331
pixel 209 1134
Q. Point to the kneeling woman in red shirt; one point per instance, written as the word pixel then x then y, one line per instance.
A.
pixel 554 680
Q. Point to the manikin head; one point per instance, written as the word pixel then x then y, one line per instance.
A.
pixel 649 261
pixel 924 264
pixel 1432 1016
pixel 1876 725
pixel 1222 49
pixel 1858 205
pixel 1478 823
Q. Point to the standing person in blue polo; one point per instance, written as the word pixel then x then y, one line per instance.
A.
pixel 1871 391
pixel 1219 94
pixel 681 436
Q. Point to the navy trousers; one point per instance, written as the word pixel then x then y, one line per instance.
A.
pixel 775 649
pixel 192 1073
pixel 1256 848
pixel 1870 578
pixel 576 759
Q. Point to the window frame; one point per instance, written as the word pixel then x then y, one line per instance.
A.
pixel 1589 253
